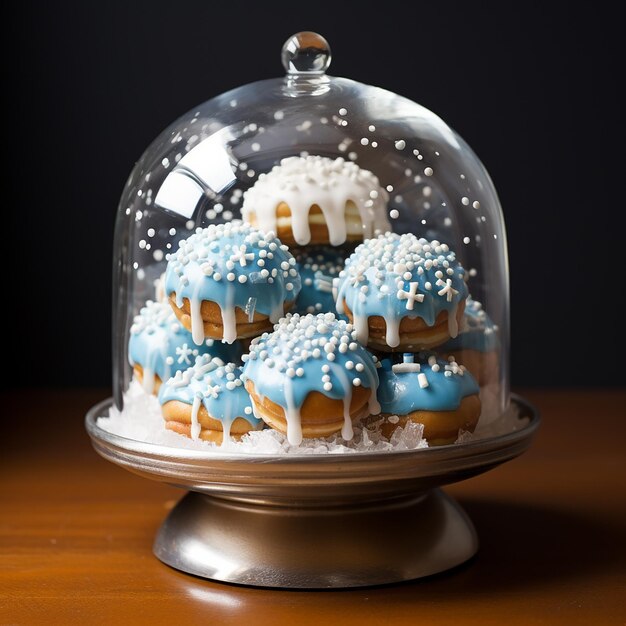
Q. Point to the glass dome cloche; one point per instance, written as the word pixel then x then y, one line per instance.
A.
pixel 310 333
pixel 334 254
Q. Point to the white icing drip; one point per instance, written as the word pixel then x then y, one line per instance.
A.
pixel 354 223
pixel 332 185
pixel 339 302
pixel 195 425
pixel 347 432
pixel 373 404
pixel 229 321
pixel 392 326
pixel 277 313
pixel 392 334
pixel 148 380
pixel 361 326
pixel 453 325
pixel 292 415
pixel 299 221
pixel 197 323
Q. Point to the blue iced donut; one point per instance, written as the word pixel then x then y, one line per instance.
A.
pixel 310 377
pixel 442 395
pixel 208 401
pixel 318 267
pixel 477 344
pixel 159 346
pixel 231 281
pixel 402 292
pixel 476 332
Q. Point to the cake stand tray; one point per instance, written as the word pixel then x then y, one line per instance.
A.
pixel 314 521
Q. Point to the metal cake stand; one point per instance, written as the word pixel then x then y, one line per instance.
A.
pixel 314 521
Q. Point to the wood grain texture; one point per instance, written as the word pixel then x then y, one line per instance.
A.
pixel 76 533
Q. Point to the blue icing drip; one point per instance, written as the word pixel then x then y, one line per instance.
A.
pixel 233 265
pixel 317 268
pixel 443 385
pixel 219 388
pixel 477 331
pixel 396 276
pixel 304 354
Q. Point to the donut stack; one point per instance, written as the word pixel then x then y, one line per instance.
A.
pixel 263 324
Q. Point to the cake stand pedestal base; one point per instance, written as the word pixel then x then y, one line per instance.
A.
pixel 316 546
pixel 315 521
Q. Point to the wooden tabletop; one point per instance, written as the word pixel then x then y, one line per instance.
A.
pixel 76 533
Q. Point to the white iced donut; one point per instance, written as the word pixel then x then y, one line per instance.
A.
pixel 317 200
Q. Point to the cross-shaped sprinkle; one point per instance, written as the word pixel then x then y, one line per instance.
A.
pixel 240 256
pixel 212 391
pixel 447 290
pixel 410 296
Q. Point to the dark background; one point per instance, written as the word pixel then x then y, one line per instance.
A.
pixel 531 86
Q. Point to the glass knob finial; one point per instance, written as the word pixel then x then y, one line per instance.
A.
pixel 306 53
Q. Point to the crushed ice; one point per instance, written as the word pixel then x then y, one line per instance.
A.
pixel 141 420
